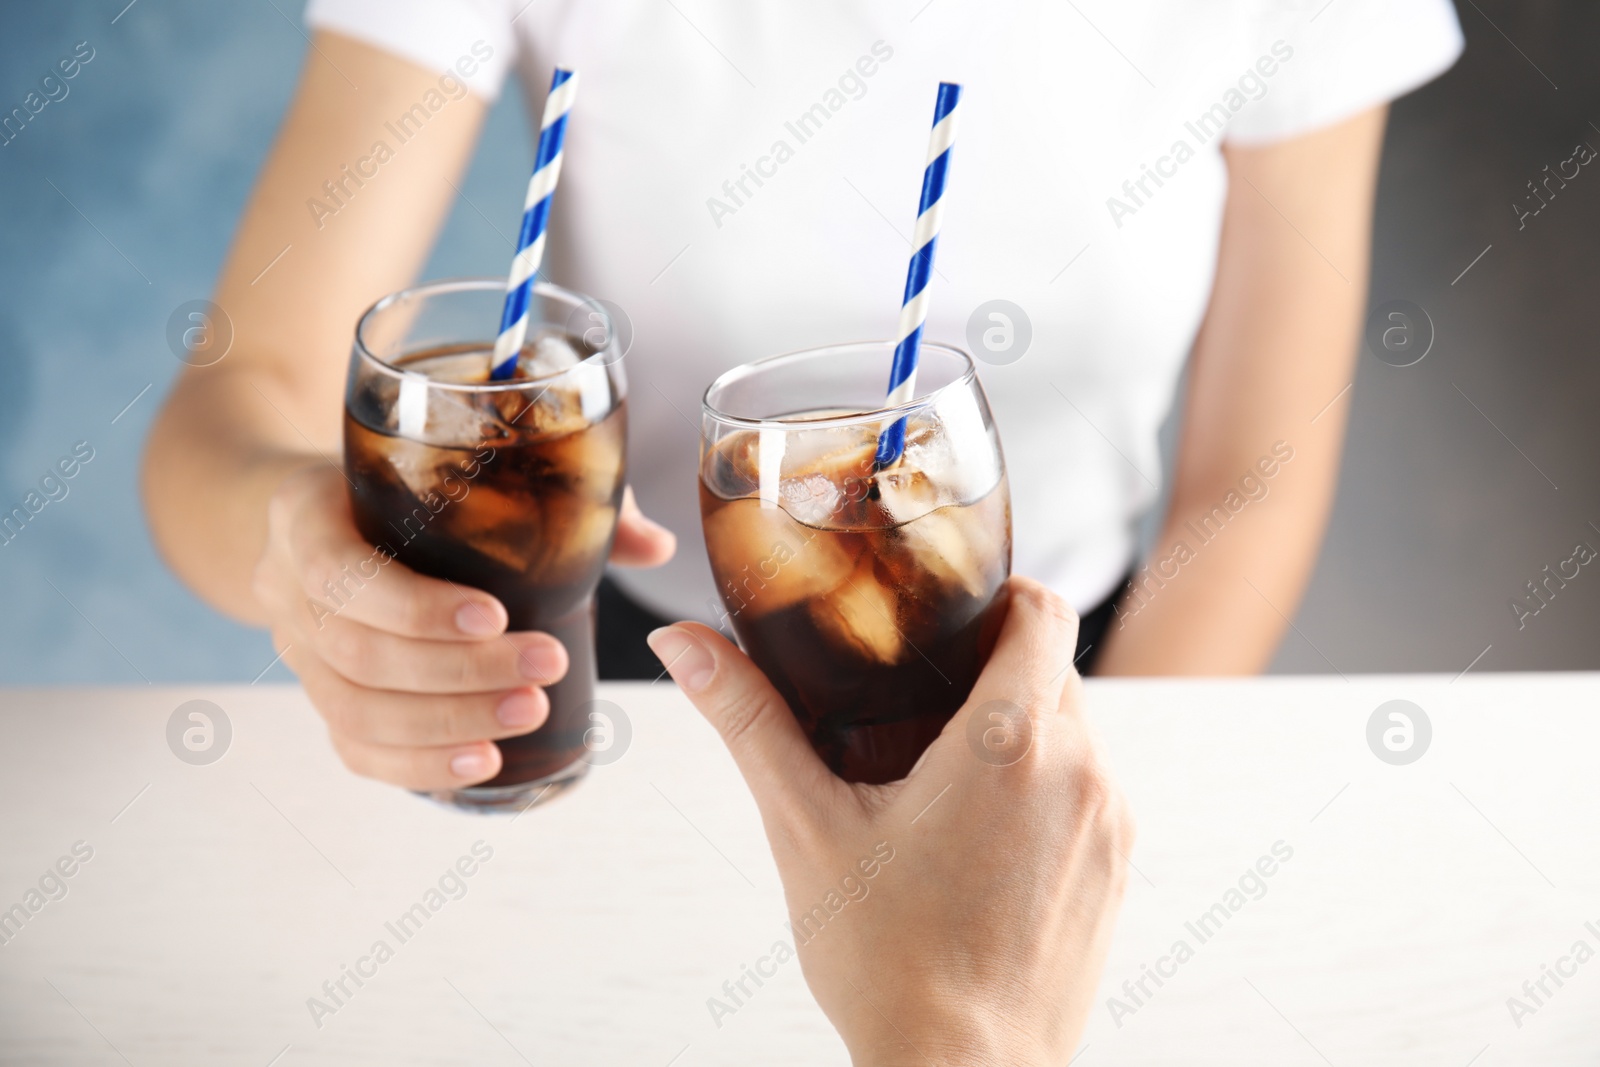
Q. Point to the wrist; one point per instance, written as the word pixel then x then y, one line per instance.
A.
pixel 945 1054
pixel 951 1038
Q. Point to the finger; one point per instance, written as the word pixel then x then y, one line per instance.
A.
pixel 1033 655
pixel 341 574
pixel 760 731
pixel 417 720
pixel 379 660
pixel 1074 730
pixel 640 541
pixel 425 769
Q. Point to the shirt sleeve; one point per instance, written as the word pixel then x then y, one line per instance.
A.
pixel 473 39
pixel 1349 56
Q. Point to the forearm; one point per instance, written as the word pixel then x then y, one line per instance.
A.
pixel 297 277
pixel 1264 417
pixel 206 481
pixel 1226 573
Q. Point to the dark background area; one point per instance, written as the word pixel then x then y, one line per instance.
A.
pixel 117 204
pixel 1443 513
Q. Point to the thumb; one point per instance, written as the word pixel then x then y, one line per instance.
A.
pixel 761 733
pixel 640 541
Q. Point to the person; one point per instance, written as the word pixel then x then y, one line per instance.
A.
pixel 969 937
pixel 1139 185
pixel 1137 190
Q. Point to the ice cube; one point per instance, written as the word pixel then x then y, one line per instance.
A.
pixel 412 464
pixel 499 524
pixel 588 463
pixel 729 468
pixel 543 411
pixel 859 615
pixel 461 419
pixel 954 546
pixel 574 539
pixel 952 446
pixel 907 492
pixel 828 488
pixel 813 499
pixel 765 561
pixel 547 354
pixel 839 451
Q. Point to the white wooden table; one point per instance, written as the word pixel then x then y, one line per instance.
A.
pixel 219 898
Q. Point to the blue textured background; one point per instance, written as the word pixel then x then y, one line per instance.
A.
pixel 156 143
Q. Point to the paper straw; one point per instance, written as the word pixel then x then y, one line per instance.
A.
pixel 914 307
pixel 535 217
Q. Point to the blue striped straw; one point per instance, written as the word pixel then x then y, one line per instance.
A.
pixel 914 308
pixel 535 217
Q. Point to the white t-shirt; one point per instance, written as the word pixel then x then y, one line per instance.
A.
pixel 1068 110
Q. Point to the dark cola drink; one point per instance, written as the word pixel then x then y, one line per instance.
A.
pixel 871 599
pixel 511 488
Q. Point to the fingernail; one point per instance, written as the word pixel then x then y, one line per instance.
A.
pixel 469 765
pixel 540 662
pixel 478 620
pixel 521 708
pixel 686 659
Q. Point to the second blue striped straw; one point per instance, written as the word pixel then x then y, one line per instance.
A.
pixel 914 306
pixel 535 218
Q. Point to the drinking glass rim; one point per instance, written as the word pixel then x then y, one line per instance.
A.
pixel 916 403
pixel 456 285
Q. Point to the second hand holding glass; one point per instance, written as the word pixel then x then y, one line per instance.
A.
pixel 860 544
